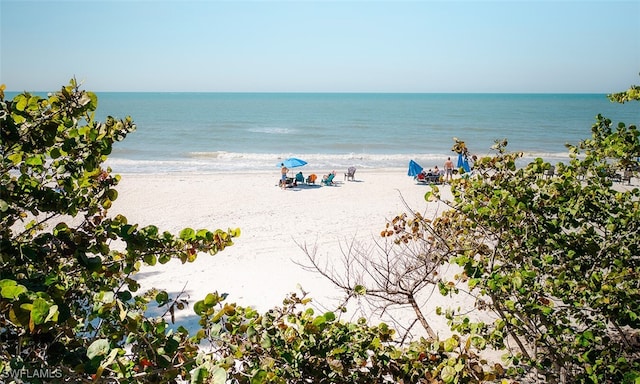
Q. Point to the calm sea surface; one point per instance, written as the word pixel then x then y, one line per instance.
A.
pixel 211 132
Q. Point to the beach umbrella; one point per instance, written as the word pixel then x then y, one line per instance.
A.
pixel 463 163
pixel 292 162
pixel 414 168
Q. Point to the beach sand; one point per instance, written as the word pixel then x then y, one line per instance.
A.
pixel 262 266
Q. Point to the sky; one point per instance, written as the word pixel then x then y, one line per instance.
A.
pixel 321 46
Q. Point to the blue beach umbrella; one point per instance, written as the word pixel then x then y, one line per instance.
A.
pixel 414 168
pixel 292 162
pixel 463 163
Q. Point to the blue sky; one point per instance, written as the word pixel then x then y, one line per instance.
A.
pixel 321 46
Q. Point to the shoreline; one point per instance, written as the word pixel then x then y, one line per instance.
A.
pixel 265 163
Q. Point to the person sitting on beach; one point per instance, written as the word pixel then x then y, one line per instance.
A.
pixel 283 175
pixel 326 177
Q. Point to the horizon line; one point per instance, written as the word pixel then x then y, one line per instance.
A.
pixel 346 92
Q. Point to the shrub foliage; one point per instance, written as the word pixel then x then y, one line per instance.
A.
pixel 549 254
pixel 69 301
pixel 554 258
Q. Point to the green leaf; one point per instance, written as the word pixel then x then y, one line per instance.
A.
pixel 319 321
pixel 516 281
pixel 204 234
pixel 211 299
pixel 112 194
pixel 448 374
pixel 198 375
pixel 429 196
pixel 94 264
pixel 259 377
pixel 330 316
pixel 265 342
pixel 218 376
pixel 105 297
pixel 162 297
pixel 188 234
pixel 20 102
pixel 15 158
pixel 34 160
pixel 10 289
pixel 450 344
pixel 99 347
pixel 150 259
pixel 199 307
pixel 39 311
pixel 55 153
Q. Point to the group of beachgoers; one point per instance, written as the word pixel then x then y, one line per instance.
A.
pixel 290 182
pixel 432 175
pixel 436 175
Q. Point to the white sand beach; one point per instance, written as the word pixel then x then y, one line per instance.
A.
pixel 260 268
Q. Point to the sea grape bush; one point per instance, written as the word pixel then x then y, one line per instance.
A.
pixel 292 344
pixel 556 258
pixel 69 301
pixel 552 259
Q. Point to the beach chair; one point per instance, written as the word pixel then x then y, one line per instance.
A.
pixel 299 178
pixel 350 174
pixel 613 175
pixel 312 178
pixel 420 178
pixel 328 179
pixel 288 183
pixel 432 178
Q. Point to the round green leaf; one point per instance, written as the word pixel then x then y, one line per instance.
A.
pixel 330 316
pixel 448 374
pixel 10 289
pixel 218 376
pixel 187 234
pixel 162 297
pixel 99 347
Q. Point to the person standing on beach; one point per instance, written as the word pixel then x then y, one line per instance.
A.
pixel 283 176
pixel 448 170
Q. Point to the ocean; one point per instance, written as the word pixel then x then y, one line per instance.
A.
pixel 244 132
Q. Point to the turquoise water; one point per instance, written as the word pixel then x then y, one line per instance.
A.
pixel 209 132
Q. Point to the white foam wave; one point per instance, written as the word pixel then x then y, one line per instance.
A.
pixel 272 130
pixel 220 161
